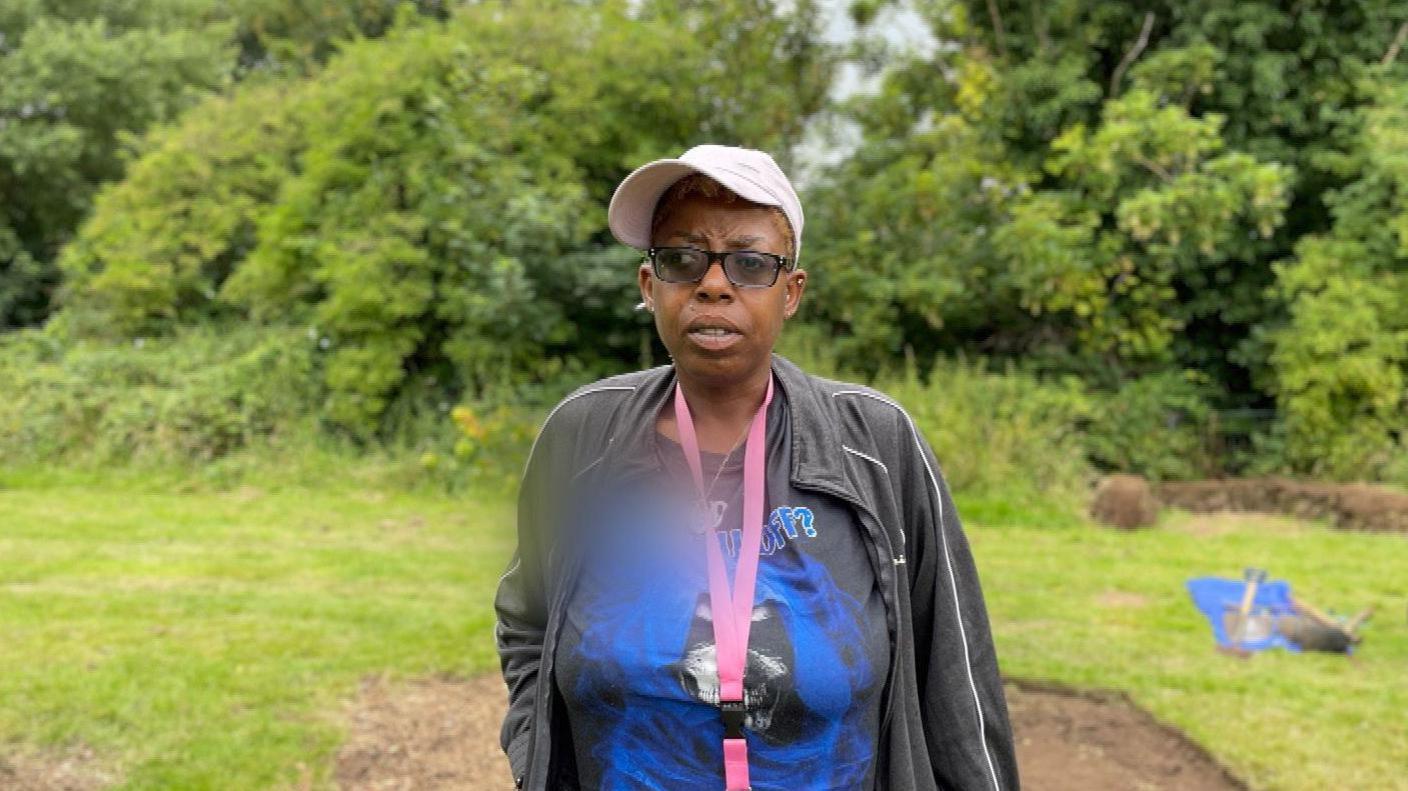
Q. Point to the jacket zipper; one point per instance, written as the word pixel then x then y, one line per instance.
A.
pixel 892 612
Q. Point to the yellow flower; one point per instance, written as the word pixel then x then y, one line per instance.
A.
pixel 468 422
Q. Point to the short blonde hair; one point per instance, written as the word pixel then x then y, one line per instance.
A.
pixel 700 184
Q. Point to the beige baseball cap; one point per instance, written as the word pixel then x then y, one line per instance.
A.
pixel 751 174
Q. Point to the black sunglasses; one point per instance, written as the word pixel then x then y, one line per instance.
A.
pixel 743 268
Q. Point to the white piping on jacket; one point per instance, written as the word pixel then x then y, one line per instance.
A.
pixel 867 457
pixel 595 461
pixel 953 580
pixel 562 404
pixel 898 560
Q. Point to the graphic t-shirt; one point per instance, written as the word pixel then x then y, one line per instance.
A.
pixel 635 660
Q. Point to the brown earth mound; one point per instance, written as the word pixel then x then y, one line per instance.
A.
pixel 1124 501
pixel 1353 506
pixel 443 734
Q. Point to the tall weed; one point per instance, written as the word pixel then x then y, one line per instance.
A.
pixel 1003 432
pixel 196 396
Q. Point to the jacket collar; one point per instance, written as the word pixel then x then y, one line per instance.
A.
pixel 816 445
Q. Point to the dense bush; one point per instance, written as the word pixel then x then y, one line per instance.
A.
pixel 433 202
pixel 999 431
pixel 242 403
pixel 996 429
pixel 196 396
pixel 162 241
pixel 73 81
pixel 79 79
pixel 1160 426
pixel 1340 359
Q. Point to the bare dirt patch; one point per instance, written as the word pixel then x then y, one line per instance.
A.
pixel 1074 741
pixel 442 733
pixel 431 734
pixel 76 769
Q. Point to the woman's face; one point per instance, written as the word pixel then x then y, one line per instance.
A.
pixel 752 317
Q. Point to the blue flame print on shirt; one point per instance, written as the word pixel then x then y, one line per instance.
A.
pixel 649 677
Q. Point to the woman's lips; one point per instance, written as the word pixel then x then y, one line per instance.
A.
pixel 714 340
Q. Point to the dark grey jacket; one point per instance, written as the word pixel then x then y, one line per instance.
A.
pixel 943 719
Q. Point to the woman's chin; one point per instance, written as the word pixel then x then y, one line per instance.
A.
pixel 727 364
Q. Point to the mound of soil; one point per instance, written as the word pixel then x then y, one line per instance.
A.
pixel 1350 506
pixel 442 733
pixel 1124 501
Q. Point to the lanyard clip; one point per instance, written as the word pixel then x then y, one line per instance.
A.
pixel 733 714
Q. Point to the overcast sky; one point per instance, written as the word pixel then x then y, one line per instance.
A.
pixel 901 27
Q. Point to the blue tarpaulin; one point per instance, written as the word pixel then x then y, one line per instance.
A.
pixel 1215 597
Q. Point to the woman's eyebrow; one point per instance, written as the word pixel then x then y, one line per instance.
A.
pixel 737 241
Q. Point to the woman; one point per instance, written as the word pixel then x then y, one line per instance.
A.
pixel 731 573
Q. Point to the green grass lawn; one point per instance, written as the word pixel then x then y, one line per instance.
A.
pixel 204 639
pixel 1089 607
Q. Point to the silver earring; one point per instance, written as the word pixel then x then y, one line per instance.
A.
pixel 642 305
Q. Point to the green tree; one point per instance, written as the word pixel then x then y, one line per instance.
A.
pixel 432 204
pixel 1128 190
pixel 293 37
pixel 1340 359
pixel 80 78
pixel 74 77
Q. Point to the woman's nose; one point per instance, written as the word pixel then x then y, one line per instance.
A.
pixel 714 284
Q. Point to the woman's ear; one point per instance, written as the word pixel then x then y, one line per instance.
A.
pixel 796 284
pixel 647 297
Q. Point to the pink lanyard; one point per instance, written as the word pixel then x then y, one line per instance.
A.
pixel 732 616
